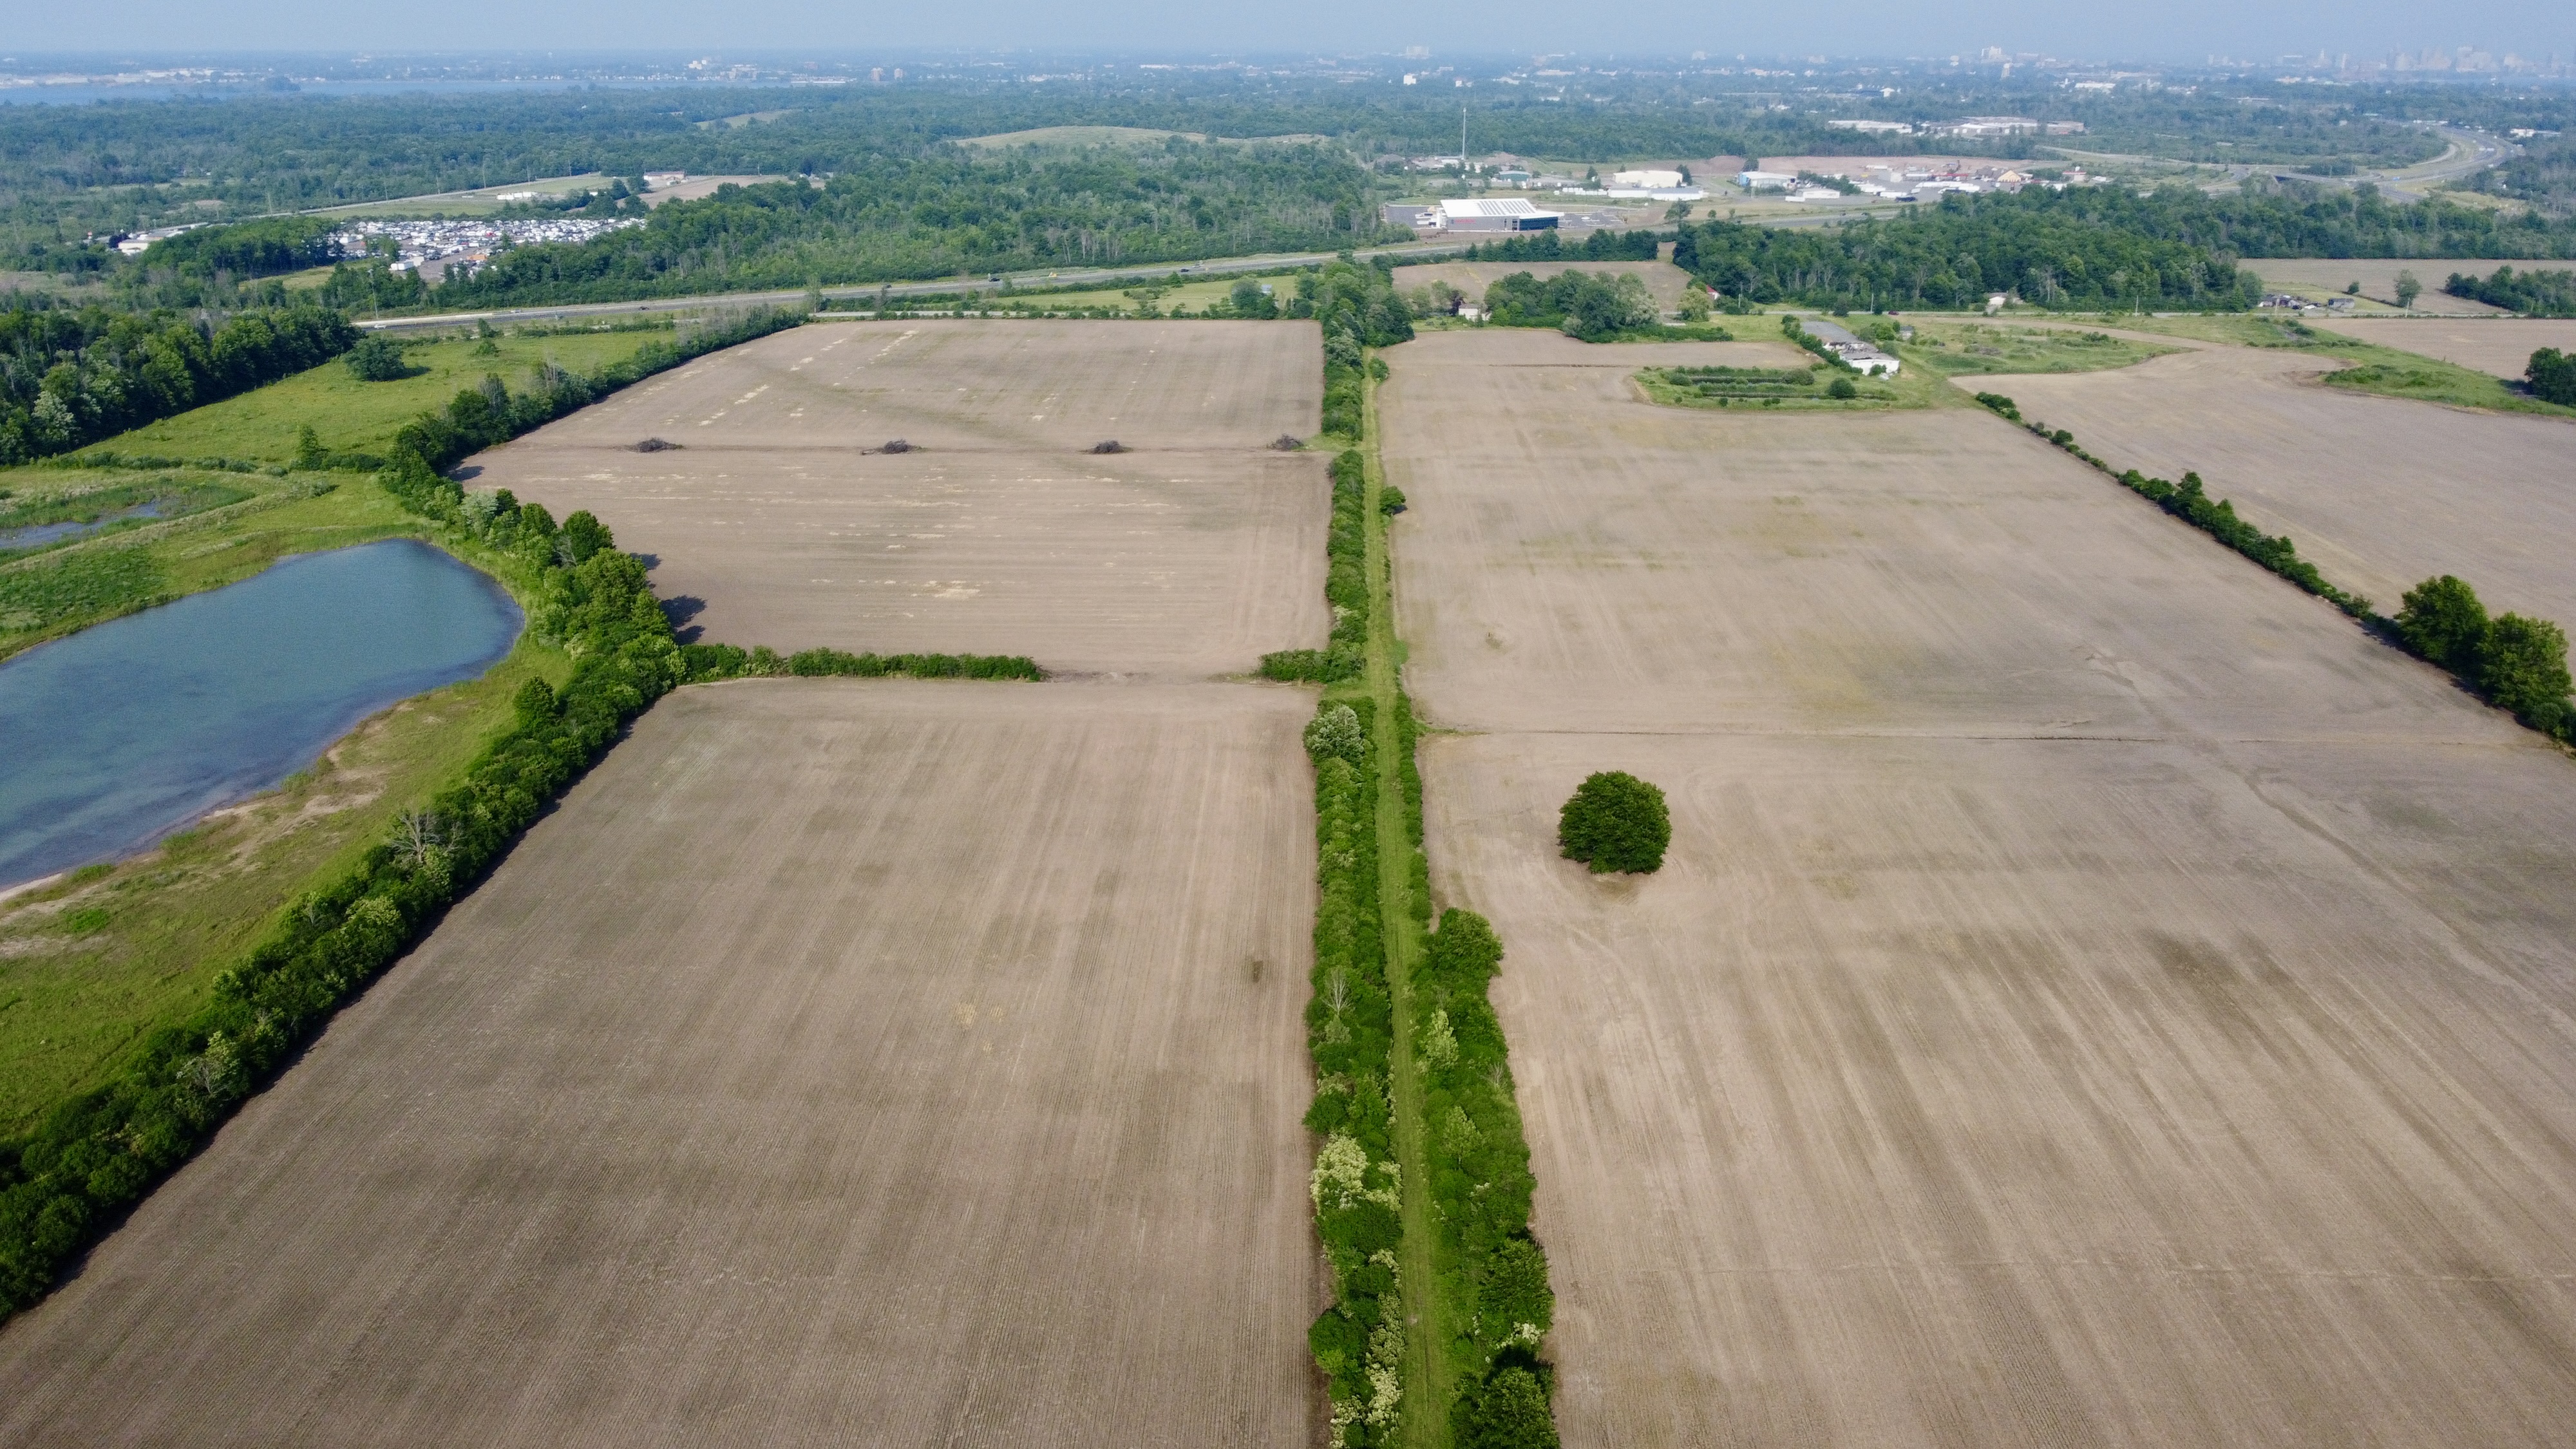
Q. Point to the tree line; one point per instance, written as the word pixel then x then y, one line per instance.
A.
pixel 2518 664
pixel 2541 293
pixel 69 377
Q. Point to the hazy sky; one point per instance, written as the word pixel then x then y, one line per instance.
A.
pixel 2178 30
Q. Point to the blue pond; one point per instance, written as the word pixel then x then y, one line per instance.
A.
pixel 122 733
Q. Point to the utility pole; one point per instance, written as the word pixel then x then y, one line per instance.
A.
pixel 1462 141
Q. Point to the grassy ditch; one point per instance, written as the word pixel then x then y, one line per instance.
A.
pixel 1422 1183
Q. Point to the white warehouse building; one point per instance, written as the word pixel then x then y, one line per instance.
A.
pixel 1512 214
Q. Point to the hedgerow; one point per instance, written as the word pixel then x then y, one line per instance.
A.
pixel 727 661
pixel 1359 1341
pixel 1345 587
pixel 2189 502
pixel 2515 663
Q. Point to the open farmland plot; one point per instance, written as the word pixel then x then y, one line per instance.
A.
pixel 1191 554
pixel 2096 995
pixel 2380 493
pixel 2322 278
pixel 2499 346
pixel 889 1063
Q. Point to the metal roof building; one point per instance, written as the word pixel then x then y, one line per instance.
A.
pixel 1513 214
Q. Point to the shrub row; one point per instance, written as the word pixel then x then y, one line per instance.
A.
pixel 2518 664
pixel 1356 1185
pixel 2551 375
pixel 481 416
pixel 1492 1271
pixel 726 661
pixel 61 1185
pixel 1345 587
pixel 2187 501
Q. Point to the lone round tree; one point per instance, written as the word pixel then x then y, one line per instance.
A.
pixel 1615 821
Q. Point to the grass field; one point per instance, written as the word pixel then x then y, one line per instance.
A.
pixel 2369 366
pixel 2379 493
pixel 1192 554
pixel 360 417
pixel 2096 994
pixel 918 1063
pixel 1955 348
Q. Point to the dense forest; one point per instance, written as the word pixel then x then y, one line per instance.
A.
pixel 69 377
pixel 66 171
pixel 957 211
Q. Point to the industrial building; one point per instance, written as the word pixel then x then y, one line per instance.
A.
pixel 1511 214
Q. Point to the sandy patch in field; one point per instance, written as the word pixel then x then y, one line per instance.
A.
pixel 1192 554
pixel 2498 346
pixel 2096 995
pixel 844 1062
pixel 2380 493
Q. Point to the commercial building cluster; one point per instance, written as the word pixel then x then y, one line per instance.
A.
pixel 432 248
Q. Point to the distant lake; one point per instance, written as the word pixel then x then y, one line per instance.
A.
pixel 122 733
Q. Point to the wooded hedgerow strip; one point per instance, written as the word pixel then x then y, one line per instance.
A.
pixel 1490 1275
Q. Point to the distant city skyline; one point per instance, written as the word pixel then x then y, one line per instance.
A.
pixel 2186 32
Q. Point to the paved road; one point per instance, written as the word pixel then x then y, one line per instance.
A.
pixel 1221 266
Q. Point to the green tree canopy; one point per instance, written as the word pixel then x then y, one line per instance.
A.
pixel 1615 821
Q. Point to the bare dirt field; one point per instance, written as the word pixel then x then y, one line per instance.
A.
pixel 1194 553
pixel 890 1063
pixel 1664 281
pixel 2310 276
pixel 2096 994
pixel 2380 493
pixel 2499 347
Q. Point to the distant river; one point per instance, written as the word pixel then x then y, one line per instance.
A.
pixel 119 734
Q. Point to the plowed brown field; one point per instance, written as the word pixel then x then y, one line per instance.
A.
pixel 2380 493
pixel 2096 994
pixel 1193 554
pixel 843 1063
pixel 2500 346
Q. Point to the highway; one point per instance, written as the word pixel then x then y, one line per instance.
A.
pixel 1022 281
